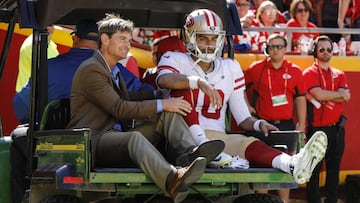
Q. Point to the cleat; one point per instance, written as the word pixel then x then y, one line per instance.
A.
pixel 303 163
pixel 221 161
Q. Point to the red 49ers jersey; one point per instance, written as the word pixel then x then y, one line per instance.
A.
pixel 227 77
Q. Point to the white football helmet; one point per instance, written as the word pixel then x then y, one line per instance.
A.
pixel 204 21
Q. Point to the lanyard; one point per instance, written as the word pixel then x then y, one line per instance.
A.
pixel 270 84
pixel 324 81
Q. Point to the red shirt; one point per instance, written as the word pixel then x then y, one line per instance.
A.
pixel 355 10
pixel 296 35
pixel 280 17
pixel 332 79
pixel 262 76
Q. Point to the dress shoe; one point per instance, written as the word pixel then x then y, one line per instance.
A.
pixel 179 183
pixel 210 150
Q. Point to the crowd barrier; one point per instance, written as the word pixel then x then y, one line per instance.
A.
pixel 345 63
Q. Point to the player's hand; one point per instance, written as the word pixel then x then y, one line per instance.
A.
pixel 267 127
pixel 177 105
pixel 212 93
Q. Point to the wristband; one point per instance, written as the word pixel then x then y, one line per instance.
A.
pixel 257 124
pixel 193 81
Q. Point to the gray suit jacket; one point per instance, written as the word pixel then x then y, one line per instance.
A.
pixel 97 104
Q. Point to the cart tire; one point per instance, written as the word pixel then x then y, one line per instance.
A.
pixel 258 198
pixel 61 199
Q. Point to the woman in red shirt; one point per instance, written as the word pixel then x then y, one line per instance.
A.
pixel 300 11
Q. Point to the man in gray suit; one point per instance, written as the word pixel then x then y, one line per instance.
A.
pixel 131 131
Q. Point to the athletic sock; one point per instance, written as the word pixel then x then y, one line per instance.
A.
pixel 197 134
pixel 282 162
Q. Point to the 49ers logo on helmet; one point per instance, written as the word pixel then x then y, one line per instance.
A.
pixel 189 21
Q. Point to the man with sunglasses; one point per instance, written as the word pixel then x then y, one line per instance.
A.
pixel 327 92
pixel 274 85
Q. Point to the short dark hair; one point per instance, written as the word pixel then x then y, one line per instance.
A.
pixel 277 36
pixel 294 4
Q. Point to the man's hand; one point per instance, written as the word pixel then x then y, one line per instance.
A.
pixel 176 104
pixel 300 127
pixel 345 94
pixel 212 93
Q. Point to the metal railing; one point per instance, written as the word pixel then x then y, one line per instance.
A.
pixel 290 30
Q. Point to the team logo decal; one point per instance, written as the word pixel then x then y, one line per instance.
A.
pixel 335 75
pixel 286 76
pixel 189 21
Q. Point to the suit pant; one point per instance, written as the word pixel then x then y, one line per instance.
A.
pixel 138 147
pixel 333 156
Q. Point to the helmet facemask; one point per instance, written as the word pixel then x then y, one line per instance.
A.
pixel 204 21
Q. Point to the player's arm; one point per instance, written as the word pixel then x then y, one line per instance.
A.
pixel 242 115
pixel 181 81
pixel 254 124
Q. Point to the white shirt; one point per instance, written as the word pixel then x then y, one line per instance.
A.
pixel 227 77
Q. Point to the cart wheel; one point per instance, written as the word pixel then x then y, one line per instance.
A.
pixel 61 199
pixel 258 198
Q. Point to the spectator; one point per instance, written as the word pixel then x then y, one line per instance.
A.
pixel 327 90
pixel 300 11
pixel 248 40
pixel 212 84
pixel 278 84
pixel 267 17
pixel 100 102
pixel 326 16
pixel 26 55
pixel 254 8
pixel 142 36
pixel 60 73
pixel 344 5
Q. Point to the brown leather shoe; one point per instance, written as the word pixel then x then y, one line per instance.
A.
pixel 210 150
pixel 182 178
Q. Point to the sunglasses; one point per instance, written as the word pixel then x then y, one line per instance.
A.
pixel 301 10
pixel 270 12
pixel 321 50
pixel 277 47
pixel 243 4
